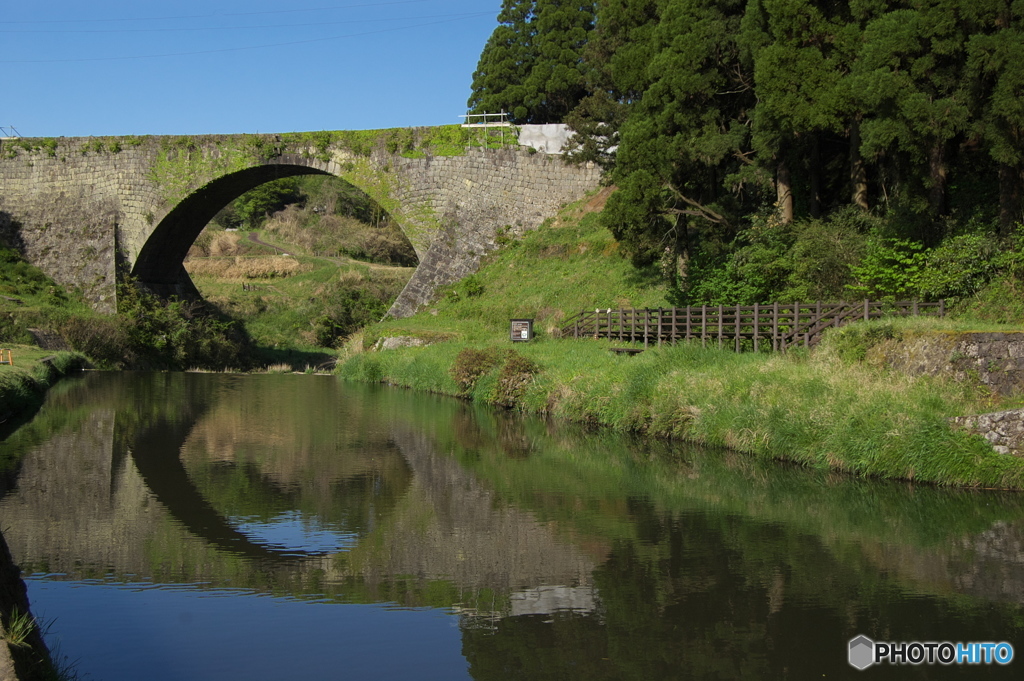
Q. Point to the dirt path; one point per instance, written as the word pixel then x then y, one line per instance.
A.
pixel 254 238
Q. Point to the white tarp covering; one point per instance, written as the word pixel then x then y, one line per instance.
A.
pixel 549 138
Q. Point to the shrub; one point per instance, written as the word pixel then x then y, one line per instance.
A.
pixel 516 374
pixel 959 267
pixel 891 270
pixel 470 364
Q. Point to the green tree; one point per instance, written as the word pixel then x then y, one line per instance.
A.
pixel 911 81
pixel 500 78
pixel 996 69
pixel 681 165
pixel 556 83
pixel 532 64
pixel 616 60
pixel 255 205
pixel 800 50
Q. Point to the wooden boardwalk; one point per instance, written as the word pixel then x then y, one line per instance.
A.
pixel 743 327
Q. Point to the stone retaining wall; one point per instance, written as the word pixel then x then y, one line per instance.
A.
pixel 992 359
pixel 995 359
pixel 1003 429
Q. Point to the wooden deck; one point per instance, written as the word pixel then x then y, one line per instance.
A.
pixel 777 326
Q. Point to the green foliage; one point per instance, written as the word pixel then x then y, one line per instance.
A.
pixel 470 286
pixel 682 139
pixel 717 111
pixel 531 65
pixel 18 277
pixel 770 261
pixel 154 334
pixel 20 626
pixel 1000 302
pixel 348 307
pixel 253 207
pixel 891 270
pixel 960 267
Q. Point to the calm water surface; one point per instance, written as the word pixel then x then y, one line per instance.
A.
pixel 189 526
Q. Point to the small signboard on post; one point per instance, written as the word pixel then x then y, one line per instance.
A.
pixel 521 330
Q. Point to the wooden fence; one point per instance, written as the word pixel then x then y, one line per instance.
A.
pixel 778 325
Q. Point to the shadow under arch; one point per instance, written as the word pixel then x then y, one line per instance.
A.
pixel 159 264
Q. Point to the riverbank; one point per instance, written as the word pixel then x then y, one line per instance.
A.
pixel 830 408
pixel 816 409
pixel 23 385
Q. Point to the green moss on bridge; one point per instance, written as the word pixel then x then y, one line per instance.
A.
pixel 182 162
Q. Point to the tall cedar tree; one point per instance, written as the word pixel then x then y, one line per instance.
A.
pixel 910 81
pixel 800 50
pixel 499 82
pixel 616 60
pixel 532 65
pixel 680 166
pixel 996 69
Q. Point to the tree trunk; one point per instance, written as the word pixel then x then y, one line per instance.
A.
pixel 937 176
pixel 815 173
pixel 1009 198
pixel 858 173
pixel 784 191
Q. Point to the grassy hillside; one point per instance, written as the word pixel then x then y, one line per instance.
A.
pixel 570 264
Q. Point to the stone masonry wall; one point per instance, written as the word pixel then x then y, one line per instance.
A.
pixel 63 210
pixel 995 360
pixel 1003 429
pixel 478 197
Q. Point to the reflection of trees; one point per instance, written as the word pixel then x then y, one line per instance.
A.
pixel 704 596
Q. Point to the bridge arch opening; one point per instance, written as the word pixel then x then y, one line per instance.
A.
pixel 159 264
pixel 333 249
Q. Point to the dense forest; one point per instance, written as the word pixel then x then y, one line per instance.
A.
pixel 785 149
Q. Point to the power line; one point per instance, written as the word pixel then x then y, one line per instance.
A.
pixel 238 28
pixel 219 14
pixel 239 49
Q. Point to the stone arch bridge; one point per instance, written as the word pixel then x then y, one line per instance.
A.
pixel 86 209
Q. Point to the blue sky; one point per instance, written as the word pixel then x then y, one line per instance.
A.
pixel 141 67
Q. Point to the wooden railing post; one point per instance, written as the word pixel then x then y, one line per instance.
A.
pixel 736 327
pixel 703 326
pixel 720 320
pixel 775 326
pixel 757 322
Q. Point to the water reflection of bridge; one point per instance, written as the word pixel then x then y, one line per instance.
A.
pixel 126 496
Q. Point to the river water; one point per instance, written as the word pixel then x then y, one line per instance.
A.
pixel 199 526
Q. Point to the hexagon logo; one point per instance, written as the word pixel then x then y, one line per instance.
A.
pixel 862 652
